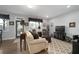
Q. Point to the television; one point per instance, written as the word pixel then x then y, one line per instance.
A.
pixel 60 29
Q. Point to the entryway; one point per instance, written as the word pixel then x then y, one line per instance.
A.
pixel 18 28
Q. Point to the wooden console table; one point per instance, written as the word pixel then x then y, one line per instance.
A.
pixel 23 37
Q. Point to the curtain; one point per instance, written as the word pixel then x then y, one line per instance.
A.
pixel 35 20
pixel 4 16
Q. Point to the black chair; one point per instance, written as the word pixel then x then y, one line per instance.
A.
pixel 40 34
pixel 60 32
pixel 45 34
pixel 75 44
pixel 0 36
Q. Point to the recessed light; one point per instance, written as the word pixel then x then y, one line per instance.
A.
pixel 68 6
pixel 30 6
pixel 47 16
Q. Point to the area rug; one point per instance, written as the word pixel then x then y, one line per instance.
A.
pixel 59 47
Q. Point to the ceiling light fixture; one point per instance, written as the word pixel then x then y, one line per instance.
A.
pixel 68 6
pixel 30 6
pixel 47 16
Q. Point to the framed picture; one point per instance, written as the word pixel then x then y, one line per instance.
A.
pixel 11 22
pixel 72 24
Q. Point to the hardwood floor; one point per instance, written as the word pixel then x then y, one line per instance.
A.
pixel 8 47
pixel 55 47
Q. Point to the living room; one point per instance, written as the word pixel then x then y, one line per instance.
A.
pixel 39 17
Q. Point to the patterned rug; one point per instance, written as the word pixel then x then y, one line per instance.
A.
pixel 59 47
pixel 55 47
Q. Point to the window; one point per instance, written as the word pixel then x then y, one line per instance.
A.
pixel 3 23
pixel 34 25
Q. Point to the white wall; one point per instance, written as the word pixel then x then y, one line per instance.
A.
pixel 65 20
pixel 10 31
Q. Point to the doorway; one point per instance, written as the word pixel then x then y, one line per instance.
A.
pixel 18 29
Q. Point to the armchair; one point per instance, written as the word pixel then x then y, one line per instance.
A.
pixel 35 45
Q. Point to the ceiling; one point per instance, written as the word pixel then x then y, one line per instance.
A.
pixel 38 11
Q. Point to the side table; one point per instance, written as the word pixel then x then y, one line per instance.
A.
pixel 23 37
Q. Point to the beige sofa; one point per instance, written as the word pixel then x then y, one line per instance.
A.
pixel 35 45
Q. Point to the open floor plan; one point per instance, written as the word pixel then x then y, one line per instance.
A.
pixel 39 29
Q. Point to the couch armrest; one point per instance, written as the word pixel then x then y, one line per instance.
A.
pixel 38 41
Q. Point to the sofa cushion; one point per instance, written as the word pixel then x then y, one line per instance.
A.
pixel 35 35
pixel 39 41
pixel 29 36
